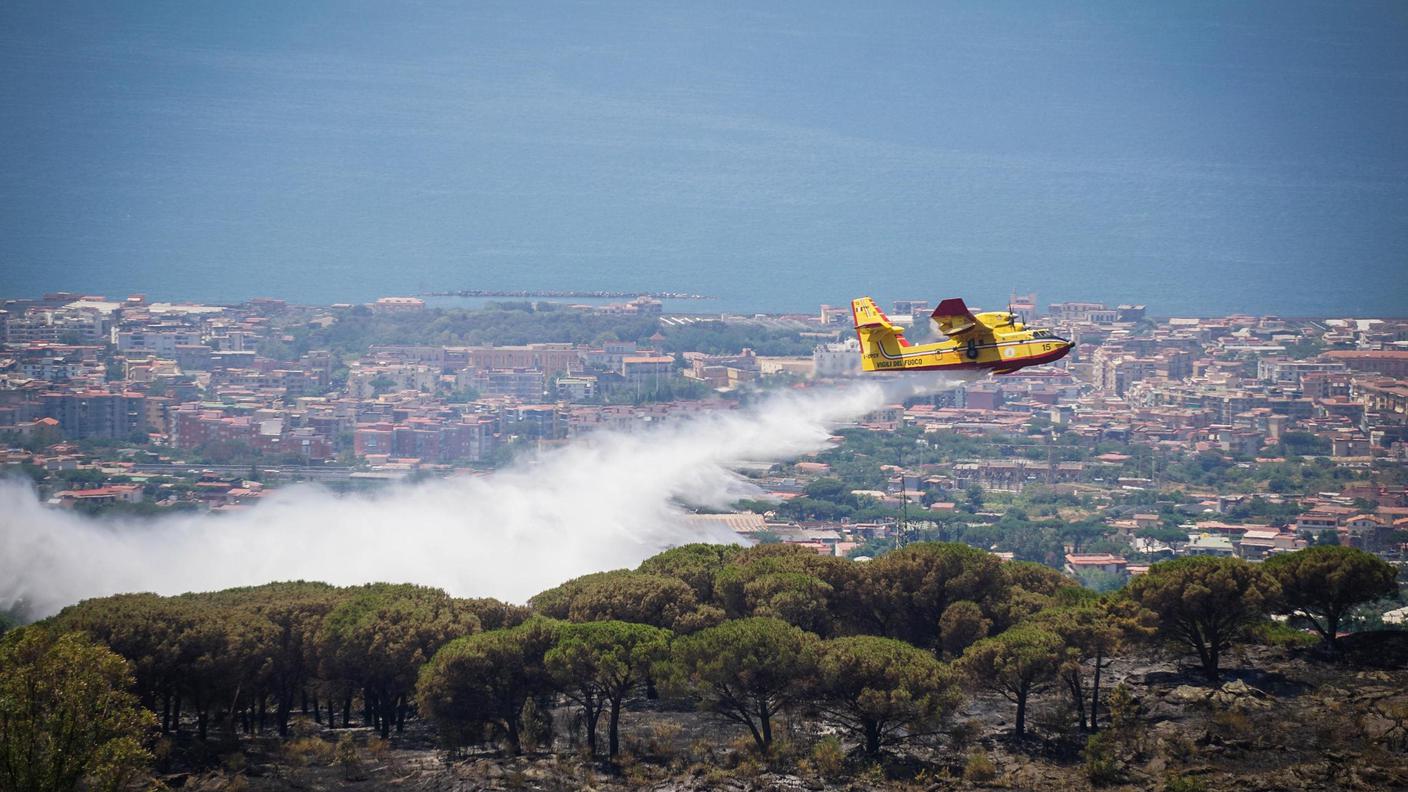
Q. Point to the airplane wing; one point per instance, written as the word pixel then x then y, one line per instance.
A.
pixel 954 318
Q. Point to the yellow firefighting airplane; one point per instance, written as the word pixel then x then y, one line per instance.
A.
pixel 992 340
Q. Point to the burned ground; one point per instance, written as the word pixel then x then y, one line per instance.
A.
pixel 1281 720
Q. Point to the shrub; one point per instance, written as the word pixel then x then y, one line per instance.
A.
pixel 638 775
pixel 1101 765
pixel 378 750
pixel 964 733
pixel 1127 722
pixel 308 751
pixel 1184 784
pixel 1232 725
pixel 1280 634
pixel 345 756
pixel 873 776
pixel 1178 748
pixel 537 725
pixel 234 762
pixel 658 741
pixel 828 757
pixel 978 769
pixel 784 756
pixel 702 752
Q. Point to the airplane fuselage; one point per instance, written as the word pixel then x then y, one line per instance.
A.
pixel 991 340
pixel 1003 353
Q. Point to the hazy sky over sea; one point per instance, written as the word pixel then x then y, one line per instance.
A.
pixel 1198 157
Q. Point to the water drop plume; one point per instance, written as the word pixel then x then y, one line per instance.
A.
pixel 606 500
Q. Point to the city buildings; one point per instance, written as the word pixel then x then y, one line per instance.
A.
pixel 1135 426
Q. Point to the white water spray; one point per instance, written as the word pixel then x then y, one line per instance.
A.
pixel 605 501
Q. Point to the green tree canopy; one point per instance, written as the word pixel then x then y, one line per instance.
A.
pixel 279 639
pixel 144 628
pixel 881 689
pixel 67 720
pixel 1323 583
pixel 695 564
pixel 817 593
pixel 1093 631
pixel 495 614
pixel 179 648
pixel 907 591
pixel 1032 587
pixel 960 625
pixel 378 638
pixel 1016 663
pixel 1035 578
pixel 747 670
pixel 596 664
pixel 621 595
pixel 476 687
pixel 795 597
pixel 1205 603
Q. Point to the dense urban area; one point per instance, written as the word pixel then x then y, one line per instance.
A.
pixel 1169 561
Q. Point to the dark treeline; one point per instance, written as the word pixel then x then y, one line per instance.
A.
pixel 497 324
pixel 882 651
pixel 250 657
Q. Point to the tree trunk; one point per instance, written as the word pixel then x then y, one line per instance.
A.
pixel 1207 654
pixel 757 736
pixel 1078 696
pixel 317 708
pixel 1210 664
pixel 515 747
pixel 263 711
pixel 166 712
pixel 401 714
pixel 765 722
pixel 305 701
pixel 1022 711
pixel 347 710
pixel 590 722
pixel 176 714
pixel 285 711
pixel 872 738
pixel 388 714
pixel 614 730
pixel 1095 692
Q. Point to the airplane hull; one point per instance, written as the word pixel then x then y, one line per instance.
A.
pixel 991 341
pixel 942 362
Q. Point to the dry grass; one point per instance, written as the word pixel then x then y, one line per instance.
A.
pixel 979 769
pixel 309 751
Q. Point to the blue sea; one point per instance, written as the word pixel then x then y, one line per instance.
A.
pixel 1200 158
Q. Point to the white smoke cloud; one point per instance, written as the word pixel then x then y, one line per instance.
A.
pixel 606 501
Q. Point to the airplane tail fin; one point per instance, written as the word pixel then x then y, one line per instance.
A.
pixel 874 329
